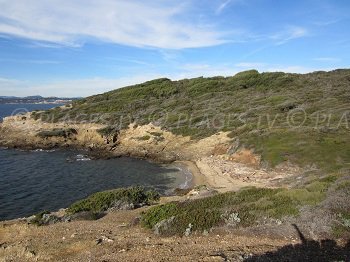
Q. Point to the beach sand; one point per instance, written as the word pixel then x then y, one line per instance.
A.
pixel 211 172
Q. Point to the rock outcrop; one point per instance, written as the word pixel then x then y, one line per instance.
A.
pixel 147 141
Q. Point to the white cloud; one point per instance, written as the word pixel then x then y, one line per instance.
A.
pixel 135 23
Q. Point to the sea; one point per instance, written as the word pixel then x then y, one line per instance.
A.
pixel 32 181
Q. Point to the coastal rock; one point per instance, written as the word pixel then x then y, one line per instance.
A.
pixel 162 145
pixel 43 219
pixel 49 219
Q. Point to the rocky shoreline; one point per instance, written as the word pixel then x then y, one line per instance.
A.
pixel 217 161
pixel 148 141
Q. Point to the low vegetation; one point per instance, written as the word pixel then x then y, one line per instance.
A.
pixel 108 130
pixel 144 138
pixel 58 132
pixel 247 207
pixel 102 201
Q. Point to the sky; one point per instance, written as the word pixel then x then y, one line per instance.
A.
pixel 79 48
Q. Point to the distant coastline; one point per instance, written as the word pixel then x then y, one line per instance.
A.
pixel 57 102
pixel 36 100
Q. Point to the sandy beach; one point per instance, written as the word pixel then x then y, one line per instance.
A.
pixel 204 174
pixel 224 175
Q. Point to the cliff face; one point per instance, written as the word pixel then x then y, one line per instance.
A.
pixel 147 141
pixel 23 131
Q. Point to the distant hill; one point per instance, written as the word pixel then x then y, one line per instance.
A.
pixel 303 118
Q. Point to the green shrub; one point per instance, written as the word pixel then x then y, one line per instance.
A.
pixel 37 217
pixel 158 213
pixel 341 228
pixel 108 130
pixel 251 204
pixel 157 134
pixel 102 201
pixel 144 138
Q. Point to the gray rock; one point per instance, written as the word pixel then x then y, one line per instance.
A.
pixel 163 226
pixel 188 230
pixel 121 205
pixel 49 219
pixel 205 233
pixel 231 219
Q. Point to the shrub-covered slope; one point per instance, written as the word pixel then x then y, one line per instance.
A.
pixel 300 117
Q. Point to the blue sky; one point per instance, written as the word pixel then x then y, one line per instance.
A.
pixel 85 47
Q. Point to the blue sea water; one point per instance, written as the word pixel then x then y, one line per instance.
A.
pixel 37 180
pixel 14 109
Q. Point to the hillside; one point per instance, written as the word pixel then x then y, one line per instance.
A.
pixel 269 155
pixel 303 118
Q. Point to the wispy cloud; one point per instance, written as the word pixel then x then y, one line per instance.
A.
pixel 327 59
pixel 250 65
pixel 222 6
pixel 191 70
pixel 326 23
pixel 290 33
pixel 10 86
pixel 69 87
pixel 157 24
pixel 26 61
pixel 4 80
pixel 170 55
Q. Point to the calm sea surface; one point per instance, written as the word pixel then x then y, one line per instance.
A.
pixel 37 180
